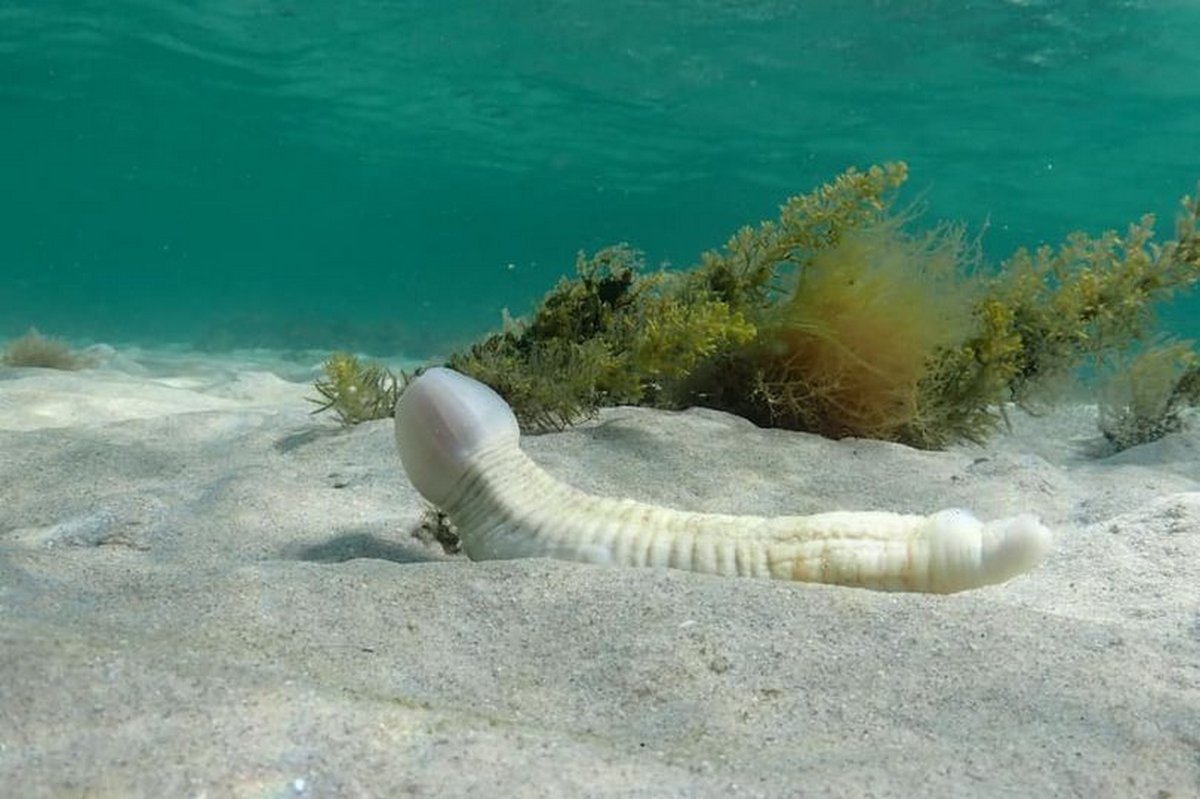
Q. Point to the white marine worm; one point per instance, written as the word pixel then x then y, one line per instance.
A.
pixel 460 445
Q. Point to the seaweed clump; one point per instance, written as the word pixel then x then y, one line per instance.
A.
pixel 836 319
pixel 850 311
pixel 357 392
pixel 612 335
pixel 1049 312
pixel 34 349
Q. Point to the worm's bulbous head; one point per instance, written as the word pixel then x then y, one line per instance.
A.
pixel 443 419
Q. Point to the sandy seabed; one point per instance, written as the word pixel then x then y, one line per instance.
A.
pixel 205 591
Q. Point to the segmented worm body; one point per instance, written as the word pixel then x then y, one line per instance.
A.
pixel 459 443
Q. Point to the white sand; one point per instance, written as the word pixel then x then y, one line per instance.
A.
pixel 207 592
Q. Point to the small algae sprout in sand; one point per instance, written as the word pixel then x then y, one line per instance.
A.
pixel 459 444
pixel 357 392
pixel 35 350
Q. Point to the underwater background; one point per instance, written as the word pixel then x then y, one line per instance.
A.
pixel 389 176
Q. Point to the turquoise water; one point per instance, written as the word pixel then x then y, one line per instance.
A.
pixel 387 176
